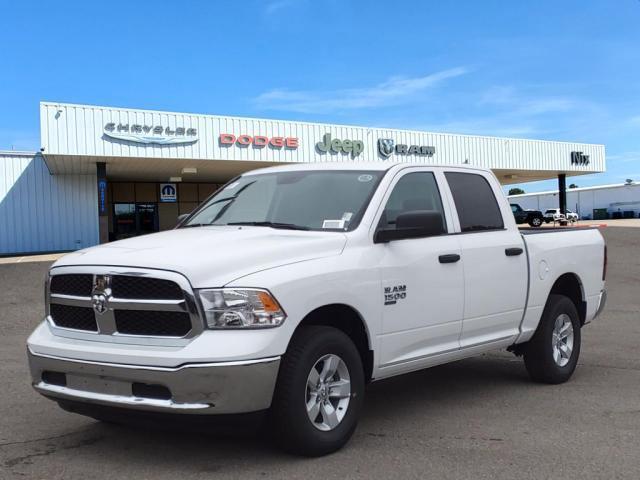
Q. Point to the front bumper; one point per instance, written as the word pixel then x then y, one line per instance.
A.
pixel 197 388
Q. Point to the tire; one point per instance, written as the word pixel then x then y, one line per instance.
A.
pixel 545 362
pixel 290 419
pixel 546 220
pixel 535 222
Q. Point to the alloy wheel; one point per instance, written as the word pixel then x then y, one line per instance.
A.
pixel 328 392
pixel 562 339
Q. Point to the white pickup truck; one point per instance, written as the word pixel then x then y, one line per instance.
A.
pixel 292 287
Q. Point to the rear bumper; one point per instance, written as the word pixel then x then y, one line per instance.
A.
pixel 602 301
pixel 198 388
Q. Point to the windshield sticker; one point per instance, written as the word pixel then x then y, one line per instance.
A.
pixel 347 216
pixel 333 224
pixel 232 185
pixel 365 178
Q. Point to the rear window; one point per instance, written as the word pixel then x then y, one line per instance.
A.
pixel 475 202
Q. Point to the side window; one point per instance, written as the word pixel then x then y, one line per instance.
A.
pixel 514 209
pixel 475 202
pixel 414 191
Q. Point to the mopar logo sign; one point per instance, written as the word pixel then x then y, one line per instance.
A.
pixel 168 192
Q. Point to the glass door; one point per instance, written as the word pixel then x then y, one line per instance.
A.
pixel 147 217
pixel 132 219
pixel 124 220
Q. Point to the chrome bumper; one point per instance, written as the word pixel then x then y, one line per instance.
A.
pixel 200 388
pixel 602 300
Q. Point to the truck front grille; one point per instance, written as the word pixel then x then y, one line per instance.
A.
pixel 78 284
pixel 114 301
pixel 122 286
pixel 144 322
pixel 77 318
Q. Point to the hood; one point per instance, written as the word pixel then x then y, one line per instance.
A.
pixel 212 256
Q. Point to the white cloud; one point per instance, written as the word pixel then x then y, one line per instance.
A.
pixel 635 121
pixel 393 91
pixel 495 127
pixel 273 7
pixel 632 156
pixel 509 97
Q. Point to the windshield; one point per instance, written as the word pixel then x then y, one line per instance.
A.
pixel 301 200
pixel 553 210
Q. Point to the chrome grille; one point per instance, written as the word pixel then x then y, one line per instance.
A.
pixel 122 305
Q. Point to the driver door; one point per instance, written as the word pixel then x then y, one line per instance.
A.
pixel 422 281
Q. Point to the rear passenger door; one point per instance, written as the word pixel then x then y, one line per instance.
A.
pixel 493 257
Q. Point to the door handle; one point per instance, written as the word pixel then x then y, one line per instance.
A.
pixel 512 252
pixel 449 258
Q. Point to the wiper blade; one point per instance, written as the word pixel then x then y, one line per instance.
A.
pixel 287 226
pixel 192 225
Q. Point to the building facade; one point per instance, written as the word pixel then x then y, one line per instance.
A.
pixel 106 173
pixel 620 200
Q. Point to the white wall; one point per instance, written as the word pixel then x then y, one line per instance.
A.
pixel 79 130
pixel 40 212
pixel 583 201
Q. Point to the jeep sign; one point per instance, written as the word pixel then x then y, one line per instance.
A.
pixel 354 147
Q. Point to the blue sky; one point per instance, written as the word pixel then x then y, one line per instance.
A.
pixel 566 70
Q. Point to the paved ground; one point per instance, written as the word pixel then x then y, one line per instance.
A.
pixel 478 418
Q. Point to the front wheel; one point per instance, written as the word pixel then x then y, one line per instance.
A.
pixel 535 222
pixel 319 392
pixel 552 354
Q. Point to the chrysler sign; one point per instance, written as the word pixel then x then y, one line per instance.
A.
pixel 387 146
pixel 150 134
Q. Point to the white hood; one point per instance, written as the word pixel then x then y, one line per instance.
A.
pixel 212 256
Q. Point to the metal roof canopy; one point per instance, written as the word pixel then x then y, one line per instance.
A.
pixel 75 137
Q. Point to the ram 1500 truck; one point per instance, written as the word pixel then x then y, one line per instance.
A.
pixel 292 287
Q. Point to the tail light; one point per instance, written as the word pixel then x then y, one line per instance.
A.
pixel 604 265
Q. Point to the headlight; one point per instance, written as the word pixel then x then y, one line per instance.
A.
pixel 240 308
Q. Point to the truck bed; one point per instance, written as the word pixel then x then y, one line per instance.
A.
pixel 533 231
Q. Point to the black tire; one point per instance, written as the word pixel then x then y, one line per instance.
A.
pixel 546 220
pixel 290 422
pixel 535 222
pixel 538 352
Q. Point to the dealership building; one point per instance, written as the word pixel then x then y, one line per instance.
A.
pixel 621 200
pixel 106 173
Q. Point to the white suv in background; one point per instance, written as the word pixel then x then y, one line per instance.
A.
pixel 555 215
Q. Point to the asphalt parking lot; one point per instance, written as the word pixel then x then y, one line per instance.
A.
pixel 477 418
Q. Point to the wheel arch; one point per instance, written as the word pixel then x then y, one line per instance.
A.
pixel 348 320
pixel 570 285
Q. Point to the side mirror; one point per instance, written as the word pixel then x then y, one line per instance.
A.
pixel 414 224
pixel 182 218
